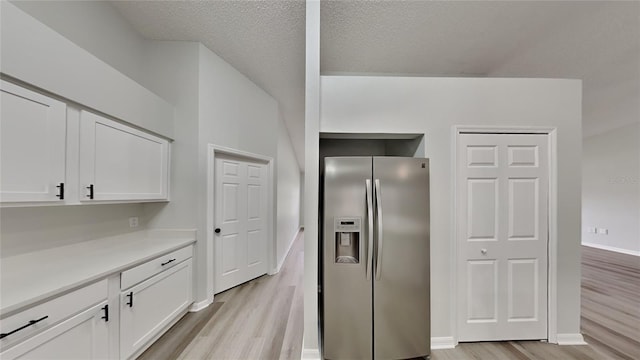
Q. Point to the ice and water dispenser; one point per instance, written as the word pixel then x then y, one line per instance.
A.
pixel 347 231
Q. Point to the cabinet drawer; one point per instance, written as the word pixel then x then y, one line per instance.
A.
pixel 84 336
pixel 51 312
pixel 149 307
pixel 150 268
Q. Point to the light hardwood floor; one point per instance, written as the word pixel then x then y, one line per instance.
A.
pixel 263 319
pixel 611 303
pixel 521 350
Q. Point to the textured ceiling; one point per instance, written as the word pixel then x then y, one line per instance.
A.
pixel 595 41
pixel 601 47
pixel 264 40
pixel 598 42
pixel 451 38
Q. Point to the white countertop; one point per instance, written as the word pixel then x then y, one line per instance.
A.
pixel 30 278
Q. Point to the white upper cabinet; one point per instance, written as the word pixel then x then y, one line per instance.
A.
pixel 121 163
pixel 32 146
pixel 55 153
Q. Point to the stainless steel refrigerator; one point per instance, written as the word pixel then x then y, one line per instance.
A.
pixel 375 276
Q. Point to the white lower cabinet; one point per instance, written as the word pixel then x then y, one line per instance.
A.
pixel 82 337
pixel 147 308
pixel 83 324
pixel 71 326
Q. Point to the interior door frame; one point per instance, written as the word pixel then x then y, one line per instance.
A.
pixel 552 248
pixel 212 152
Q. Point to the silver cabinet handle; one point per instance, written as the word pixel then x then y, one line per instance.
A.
pixel 369 229
pixel 379 219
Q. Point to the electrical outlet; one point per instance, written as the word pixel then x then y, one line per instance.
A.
pixel 603 231
pixel 133 222
pixel 592 230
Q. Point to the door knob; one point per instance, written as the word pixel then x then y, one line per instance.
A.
pixel 217 230
pixel 483 251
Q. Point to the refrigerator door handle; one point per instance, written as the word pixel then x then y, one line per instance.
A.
pixel 369 264
pixel 378 200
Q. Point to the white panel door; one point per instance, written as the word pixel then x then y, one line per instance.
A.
pixel 32 145
pixel 83 337
pixel 502 193
pixel 120 163
pixel 241 217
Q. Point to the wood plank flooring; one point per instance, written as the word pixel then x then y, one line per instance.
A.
pixel 263 319
pixel 610 309
pixel 520 350
pixel 610 317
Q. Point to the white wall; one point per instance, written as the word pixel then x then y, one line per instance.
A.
pixel 234 113
pixel 98 28
pixel 288 193
pixel 432 106
pixel 95 26
pixel 28 229
pixel 311 143
pixel 611 189
pixel 172 71
pixel 213 104
pixel 38 55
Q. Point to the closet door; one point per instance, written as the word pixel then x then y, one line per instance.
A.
pixel 502 193
pixel 120 163
pixel 241 221
pixel 32 146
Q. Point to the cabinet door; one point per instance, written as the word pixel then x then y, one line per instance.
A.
pixel 147 308
pixel 84 336
pixel 120 163
pixel 32 145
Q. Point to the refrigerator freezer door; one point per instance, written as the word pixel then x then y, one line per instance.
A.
pixel 346 291
pixel 401 296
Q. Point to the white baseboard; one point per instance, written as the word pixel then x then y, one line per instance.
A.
pixel 571 339
pixel 445 342
pixel 310 354
pixel 613 248
pixel 288 249
pixel 195 307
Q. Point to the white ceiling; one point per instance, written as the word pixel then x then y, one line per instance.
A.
pixel 598 42
pixel 429 37
pixel 264 40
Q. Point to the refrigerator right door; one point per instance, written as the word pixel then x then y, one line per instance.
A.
pixel 401 286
